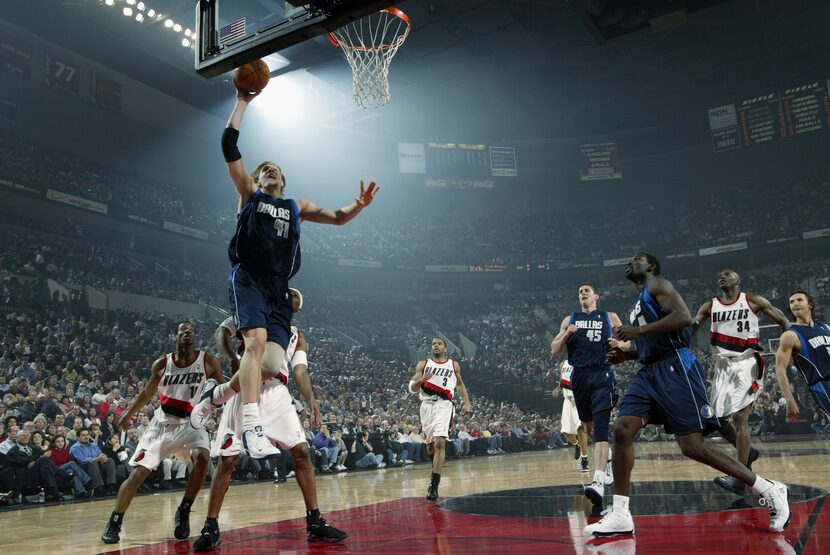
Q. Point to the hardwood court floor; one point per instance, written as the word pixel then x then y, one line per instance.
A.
pixel 528 501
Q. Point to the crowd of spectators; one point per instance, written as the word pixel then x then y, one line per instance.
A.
pixel 29 257
pixel 547 235
pixel 35 165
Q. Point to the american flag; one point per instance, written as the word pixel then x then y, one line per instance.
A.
pixel 232 31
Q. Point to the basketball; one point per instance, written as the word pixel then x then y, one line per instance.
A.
pixel 252 77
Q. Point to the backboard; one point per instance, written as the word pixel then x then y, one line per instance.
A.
pixel 237 38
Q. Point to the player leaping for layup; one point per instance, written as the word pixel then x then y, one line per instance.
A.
pixel 265 253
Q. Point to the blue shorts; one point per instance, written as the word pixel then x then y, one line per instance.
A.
pixel 673 393
pixel 595 390
pixel 261 302
pixel 821 394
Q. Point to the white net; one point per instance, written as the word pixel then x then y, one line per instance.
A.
pixel 370 43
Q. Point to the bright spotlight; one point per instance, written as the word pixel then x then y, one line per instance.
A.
pixel 187 32
pixel 185 42
pixel 177 28
pixel 141 6
pixel 128 11
pixel 139 17
pixel 131 2
pixel 168 23
pixel 283 97
pixel 151 13
pixel 109 2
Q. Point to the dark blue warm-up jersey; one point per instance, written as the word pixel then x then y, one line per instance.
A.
pixel 813 360
pixel 588 347
pixel 267 238
pixel 656 346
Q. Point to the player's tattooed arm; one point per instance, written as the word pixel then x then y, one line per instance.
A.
pixel 213 369
pixel 222 340
pixel 146 394
pixel 760 304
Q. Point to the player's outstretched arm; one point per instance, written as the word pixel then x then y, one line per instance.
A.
pixel 302 378
pixel 467 408
pixel 146 394
pixel 222 340
pixel 702 315
pixel 244 183
pixel 787 345
pixel 312 213
pixel 773 313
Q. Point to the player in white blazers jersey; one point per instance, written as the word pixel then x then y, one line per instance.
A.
pixel 739 366
pixel 435 381
pixel 280 423
pixel 571 427
pixel 179 378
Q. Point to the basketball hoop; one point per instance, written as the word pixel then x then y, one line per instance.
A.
pixel 370 43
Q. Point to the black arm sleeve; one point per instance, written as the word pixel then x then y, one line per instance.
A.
pixel 229 138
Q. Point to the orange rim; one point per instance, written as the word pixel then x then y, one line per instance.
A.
pixel 393 11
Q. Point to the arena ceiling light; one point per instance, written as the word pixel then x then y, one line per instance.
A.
pixel 137 9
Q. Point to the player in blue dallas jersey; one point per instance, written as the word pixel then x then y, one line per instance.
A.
pixel 587 335
pixel 669 389
pixel 265 254
pixel 807 344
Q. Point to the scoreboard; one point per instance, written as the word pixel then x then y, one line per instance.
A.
pixel 771 116
pixel 470 160
pixel 458 165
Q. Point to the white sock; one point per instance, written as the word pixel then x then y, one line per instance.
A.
pixel 250 415
pixel 621 503
pixel 609 454
pixel 599 476
pixel 761 485
pixel 583 456
pixel 222 393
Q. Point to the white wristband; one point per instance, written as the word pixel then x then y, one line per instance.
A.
pixel 300 357
pixel 411 383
